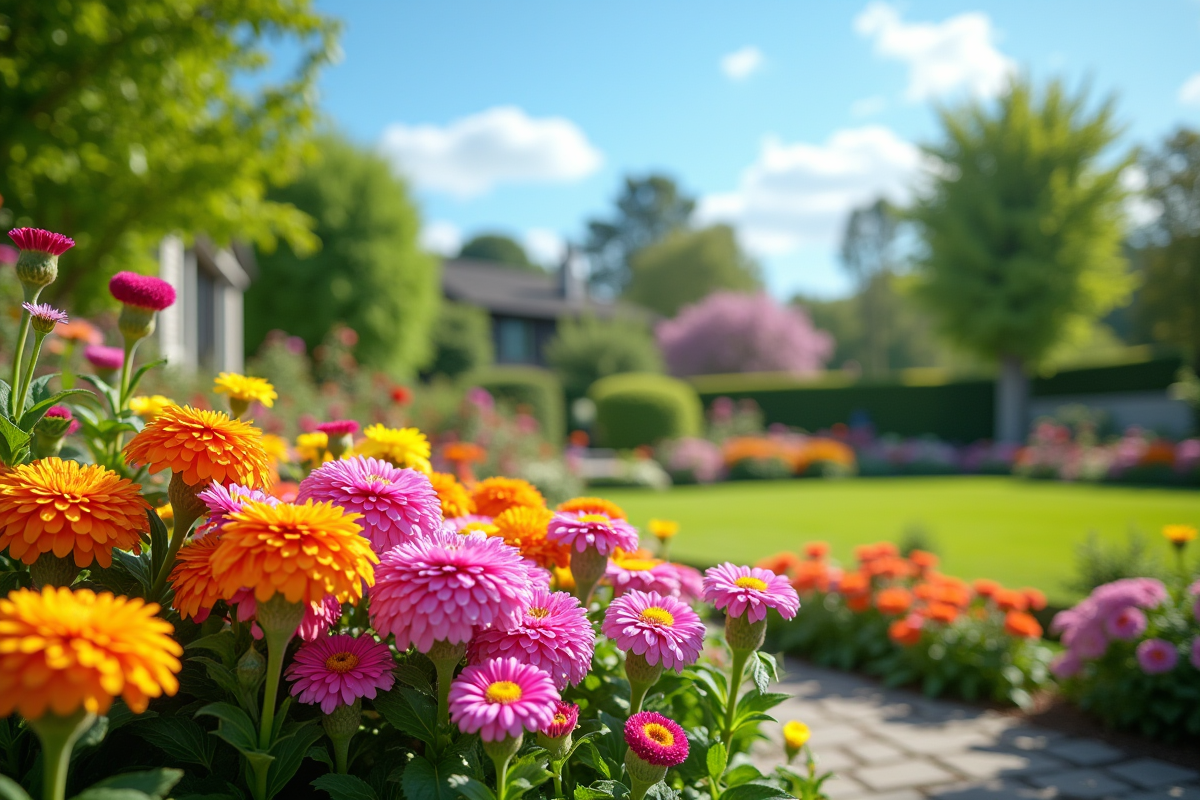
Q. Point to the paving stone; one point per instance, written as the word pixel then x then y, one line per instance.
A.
pixel 934 740
pixel 1085 752
pixel 873 753
pixel 1027 738
pixel 1081 783
pixel 1190 791
pixel 840 787
pixel 834 759
pixel 990 790
pixel 989 764
pixel 850 709
pixel 905 775
pixel 834 735
pixel 1150 773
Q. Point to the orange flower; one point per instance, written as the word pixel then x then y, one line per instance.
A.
pixel 816 550
pixel 79 330
pixel 986 588
pixel 287 491
pixel 456 501
pixel 592 505
pixel 66 508
pixel 810 575
pixel 1018 623
pixel 524 528
pixel 904 633
pixel 870 552
pixel 950 591
pixel 494 496
pixel 1011 600
pixel 61 651
pixel 888 567
pixel 1035 599
pixel 196 590
pixel 854 583
pixel 894 600
pixel 780 563
pixel 303 552
pixel 922 560
pixel 202 446
pixel 463 451
pixel 941 612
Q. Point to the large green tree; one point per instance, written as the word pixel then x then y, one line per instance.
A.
pixel 370 272
pixel 687 266
pixel 1022 227
pixel 462 340
pixel 868 254
pixel 124 120
pixel 585 350
pixel 498 248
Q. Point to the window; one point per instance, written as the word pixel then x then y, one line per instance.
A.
pixel 514 340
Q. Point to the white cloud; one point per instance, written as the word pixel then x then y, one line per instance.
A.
pixel 943 57
pixel 741 64
pixel 441 237
pixel 795 195
pixel 471 155
pixel 1189 93
pixel 1139 210
pixel 545 247
pixel 868 106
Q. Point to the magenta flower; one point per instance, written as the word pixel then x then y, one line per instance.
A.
pixel 456 524
pixel 143 291
pixel 691 582
pixel 223 501
pixel 61 412
pixel 1128 624
pixel 9 255
pixel 660 628
pixel 446 586
pixel 42 241
pixel 501 699
pixel 396 504
pixel 554 635
pixel 656 740
pixel 338 427
pixel 103 357
pixel 643 575
pixel 750 591
pixel 1156 656
pixel 566 717
pixel 1066 665
pixel 337 670
pixel 45 316
pixel 1086 627
pixel 581 531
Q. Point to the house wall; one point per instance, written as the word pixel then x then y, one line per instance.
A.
pixel 204 329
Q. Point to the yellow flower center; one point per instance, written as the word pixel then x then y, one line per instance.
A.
pixel 658 616
pixel 539 613
pixel 341 663
pixel 593 518
pixel 659 734
pixel 638 564
pixel 503 692
pixel 560 719
pixel 378 479
pixel 751 583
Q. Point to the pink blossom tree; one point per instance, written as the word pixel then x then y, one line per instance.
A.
pixel 732 332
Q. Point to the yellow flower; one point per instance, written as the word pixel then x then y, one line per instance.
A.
pixel 404 447
pixel 62 650
pixel 795 736
pixel 150 407
pixel 275 447
pixel 165 512
pixel 201 446
pixel 564 581
pixel 456 500
pixel 313 448
pixel 245 389
pixel 663 528
pixel 524 527
pixel 496 495
pixel 592 505
pixel 1179 535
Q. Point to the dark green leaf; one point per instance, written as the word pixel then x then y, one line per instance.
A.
pixel 223 643
pixel 13 579
pixel 180 738
pixel 755 701
pixel 345 787
pixel 105 793
pixel 14 442
pixel 10 789
pixel 660 791
pixel 159 542
pixel 234 726
pixel 601 789
pixel 590 755
pixel 424 781
pixel 289 754
pixel 743 773
pixel 411 712
pixel 753 791
pixel 470 788
pixel 414 677
pixel 136 378
pixel 320 753
pixel 155 783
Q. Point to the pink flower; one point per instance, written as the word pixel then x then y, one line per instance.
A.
pixel 447 586
pixel 691 582
pixel 396 504
pixel 104 357
pixel 59 411
pixel 456 524
pixel 42 241
pixel 1086 627
pixel 500 699
pixel 338 427
pixel 581 531
pixel 143 291
pixel 47 315
pixel 337 670
pixel 9 255
pixel 644 575
pixel 656 740
pixel 554 635
pixel 1128 624
pixel 1156 656
pixel 223 501
pixel 1066 665
pixel 750 591
pixel 660 628
pixel 317 620
pixel 566 717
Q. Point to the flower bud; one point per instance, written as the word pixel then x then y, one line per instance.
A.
pixel 250 668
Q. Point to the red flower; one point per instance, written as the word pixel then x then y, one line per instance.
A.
pixel 401 395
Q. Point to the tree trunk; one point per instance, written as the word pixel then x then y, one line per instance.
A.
pixel 1012 401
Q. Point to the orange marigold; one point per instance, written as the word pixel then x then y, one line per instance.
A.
pixel 816 550
pixel 810 575
pixel 1035 599
pixel 524 527
pixel 904 633
pixel 62 650
pixel 923 560
pixel 941 612
pixel 854 583
pixel 592 505
pixel 1011 600
pixel 456 500
pixel 784 563
pixel 986 588
pixel 494 496
pixel 463 451
pixel 202 446
pixel 303 552
pixel 65 508
pixel 1018 623
pixel 196 589
pixel 894 600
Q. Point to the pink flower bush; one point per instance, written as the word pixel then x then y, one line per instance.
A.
pixel 661 628
pixel 581 531
pixel 501 699
pixel 1128 623
pixel 1084 628
pixel 337 670
pixel 656 740
pixel 553 635
pixel 1156 656
pixel 750 591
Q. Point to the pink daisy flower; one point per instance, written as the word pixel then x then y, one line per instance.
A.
pixel 554 635
pixel 691 582
pixel 566 717
pixel 656 740
pixel 644 575
pixel 223 501
pixel 581 531
pixel 337 670
pixel 45 316
pixel 1156 656
pixel 660 628
pixel 501 699
pixel 143 291
pixel 42 241
pixel 338 427
pixel 750 591
pixel 446 586
pixel 396 504
pixel 104 357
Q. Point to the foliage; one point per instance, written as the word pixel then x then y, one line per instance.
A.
pixel 370 273
pixel 531 387
pixel 498 248
pixel 729 332
pixel 462 340
pixel 641 408
pixel 123 121
pixel 686 266
pixel 585 350
pixel 868 246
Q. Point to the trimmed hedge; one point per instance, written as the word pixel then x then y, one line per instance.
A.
pixel 537 388
pixel 641 408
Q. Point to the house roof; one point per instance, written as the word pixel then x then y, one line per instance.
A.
pixel 516 292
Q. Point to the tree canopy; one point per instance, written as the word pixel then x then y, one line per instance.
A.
pixel 124 120
pixel 498 248
pixel 462 340
pixel 584 351
pixel 687 266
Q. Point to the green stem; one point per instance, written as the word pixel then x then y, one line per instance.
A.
pixel 19 349
pixel 558 792
pixel 276 646
pixel 58 735
pixel 260 781
pixel 67 379
pixel 735 685
pixel 126 371
pixel 637 694
pixel 501 777
pixel 341 753
pixel 445 675
pixel 27 376
pixel 182 526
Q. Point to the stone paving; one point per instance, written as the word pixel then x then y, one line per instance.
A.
pixel 885 744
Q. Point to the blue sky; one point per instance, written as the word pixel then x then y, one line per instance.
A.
pixel 523 116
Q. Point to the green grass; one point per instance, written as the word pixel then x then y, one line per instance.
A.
pixel 1022 533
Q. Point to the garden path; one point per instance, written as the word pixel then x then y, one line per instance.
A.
pixel 890 744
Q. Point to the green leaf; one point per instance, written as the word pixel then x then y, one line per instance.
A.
pixel 223 643
pixel 743 773
pixel 234 725
pixel 137 376
pixel 180 738
pixel 14 442
pixel 415 677
pixel 106 793
pixel 753 791
pixel 411 712
pixel 10 789
pixel 159 542
pixel 717 760
pixel 320 753
pixel 424 781
pixel 35 412
pixel 470 788
pixel 527 773
pixel 109 392
pixel 345 787
pixel 289 755
pixel 755 701
pixel 601 789
pixel 156 783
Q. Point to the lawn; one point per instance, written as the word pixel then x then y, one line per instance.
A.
pixel 1019 532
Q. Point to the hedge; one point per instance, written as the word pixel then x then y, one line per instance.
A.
pixel 641 408
pixel 519 385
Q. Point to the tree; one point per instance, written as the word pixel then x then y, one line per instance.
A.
pixel 462 340
pixel 125 120
pixel 648 209
pixel 370 273
pixel 867 254
pixel 1022 226
pixel 731 332
pixel 498 248
pixel 585 350
pixel 687 266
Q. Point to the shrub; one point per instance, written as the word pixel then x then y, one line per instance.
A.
pixel 586 350
pixel 753 468
pixel 640 408
pixel 528 386
pixel 1096 564
pixel 462 340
